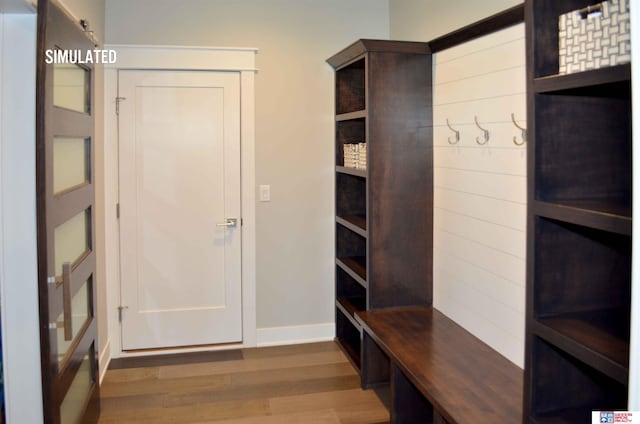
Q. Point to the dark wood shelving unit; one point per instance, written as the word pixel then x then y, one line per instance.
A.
pixel 383 213
pixel 579 229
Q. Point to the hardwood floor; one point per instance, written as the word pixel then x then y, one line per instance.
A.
pixel 310 384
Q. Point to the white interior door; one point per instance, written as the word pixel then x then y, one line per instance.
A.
pixel 179 135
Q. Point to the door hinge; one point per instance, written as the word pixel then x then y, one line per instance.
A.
pixel 118 100
pixel 120 309
pixel 118 210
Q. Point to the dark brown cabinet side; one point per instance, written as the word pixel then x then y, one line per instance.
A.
pixel 384 225
pixel 579 229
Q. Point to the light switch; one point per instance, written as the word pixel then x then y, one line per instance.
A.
pixel 265 193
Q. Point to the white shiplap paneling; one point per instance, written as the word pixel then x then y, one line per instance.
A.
pixel 480 191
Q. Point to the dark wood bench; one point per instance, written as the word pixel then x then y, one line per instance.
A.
pixel 439 372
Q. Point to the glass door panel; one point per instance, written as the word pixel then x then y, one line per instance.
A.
pixel 74 401
pixel 71 240
pixel 80 314
pixel 71 87
pixel 71 157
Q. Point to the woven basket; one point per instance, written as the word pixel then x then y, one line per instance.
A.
pixel 594 37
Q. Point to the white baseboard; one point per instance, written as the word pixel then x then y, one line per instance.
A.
pixel 104 360
pixel 274 336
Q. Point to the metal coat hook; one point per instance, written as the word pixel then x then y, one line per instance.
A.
pixel 524 132
pixel 485 133
pixel 456 132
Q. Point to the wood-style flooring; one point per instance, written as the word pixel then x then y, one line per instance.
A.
pixel 310 384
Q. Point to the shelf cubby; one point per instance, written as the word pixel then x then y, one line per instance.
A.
pixel 351 251
pixel 351 196
pixel 564 284
pixel 584 157
pixel 544 32
pixel 348 335
pixel 588 304
pixel 351 131
pixel 566 390
pixel 350 290
pixel 349 244
pixel 592 336
pixel 351 87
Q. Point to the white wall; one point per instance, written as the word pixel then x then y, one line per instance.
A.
pixel 480 191
pixel 18 256
pixel 294 127
pixel 424 20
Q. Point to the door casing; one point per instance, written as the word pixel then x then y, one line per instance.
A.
pixel 142 57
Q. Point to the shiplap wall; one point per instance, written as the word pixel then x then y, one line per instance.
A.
pixel 480 191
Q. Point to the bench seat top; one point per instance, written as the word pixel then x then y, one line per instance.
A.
pixel 462 377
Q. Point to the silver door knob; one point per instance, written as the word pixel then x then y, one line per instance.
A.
pixel 230 223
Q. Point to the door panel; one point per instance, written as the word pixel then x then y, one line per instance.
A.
pixel 180 178
pixel 66 258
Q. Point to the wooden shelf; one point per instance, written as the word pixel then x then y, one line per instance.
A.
pixel 594 337
pixel 588 213
pixel 567 389
pixel 599 81
pixel 352 171
pixel 359 114
pixel 349 307
pixel 356 267
pixel 356 223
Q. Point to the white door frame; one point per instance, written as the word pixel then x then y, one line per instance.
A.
pixel 143 57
